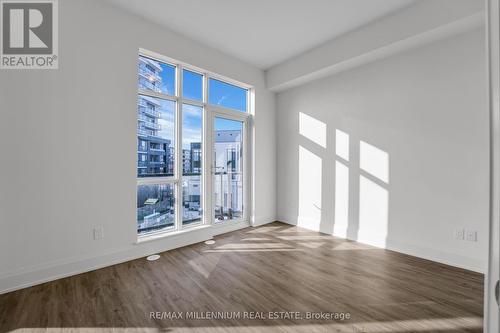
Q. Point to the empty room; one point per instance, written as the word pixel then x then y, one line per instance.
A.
pixel 249 166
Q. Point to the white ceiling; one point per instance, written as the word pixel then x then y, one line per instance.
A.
pixel 262 32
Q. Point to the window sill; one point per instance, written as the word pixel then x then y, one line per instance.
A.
pixel 167 234
pixel 224 223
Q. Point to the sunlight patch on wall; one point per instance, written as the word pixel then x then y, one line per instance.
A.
pixel 341 195
pixel 373 212
pixel 374 161
pixel 342 144
pixel 310 178
pixel 313 129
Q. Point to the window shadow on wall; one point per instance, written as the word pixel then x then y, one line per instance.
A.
pixel 343 183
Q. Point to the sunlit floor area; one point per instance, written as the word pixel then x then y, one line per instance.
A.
pixel 261 275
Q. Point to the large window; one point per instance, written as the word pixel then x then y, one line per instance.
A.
pixel 176 105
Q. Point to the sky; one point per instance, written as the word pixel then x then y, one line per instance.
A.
pixel 220 93
pixel 226 124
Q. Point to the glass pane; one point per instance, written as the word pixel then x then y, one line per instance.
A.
pixel 156 76
pixel 155 207
pixel 155 137
pixel 228 169
pixel 192 85
pixel 192 122
pixel 227 95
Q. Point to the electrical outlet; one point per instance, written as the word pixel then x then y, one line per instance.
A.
pixel 460 234
pixel 471 235
pixel 98 232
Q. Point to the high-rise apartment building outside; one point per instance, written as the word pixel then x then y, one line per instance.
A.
pixel 154 152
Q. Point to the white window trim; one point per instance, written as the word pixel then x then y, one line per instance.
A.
pixel 209 113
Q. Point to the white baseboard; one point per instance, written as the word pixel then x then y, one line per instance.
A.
pixel 261 220
pixel 31 276
pixel 287 219
pixel 219 229
pixel 427 253
pixel 442 257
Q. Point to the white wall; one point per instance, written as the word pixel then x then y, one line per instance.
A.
pixel 412 26
pixel 68 141
pixel 417 130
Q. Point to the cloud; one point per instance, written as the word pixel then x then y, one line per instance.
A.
pixel 192 110
pixel 219 102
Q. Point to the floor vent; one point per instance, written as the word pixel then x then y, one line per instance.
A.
pixel 153 257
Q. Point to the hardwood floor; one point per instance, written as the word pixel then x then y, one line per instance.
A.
pixel 272 268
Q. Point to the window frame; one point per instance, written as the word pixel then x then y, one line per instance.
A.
pixel 209 112
pixel 246 166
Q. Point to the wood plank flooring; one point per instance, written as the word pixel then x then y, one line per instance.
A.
pixel 276 268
